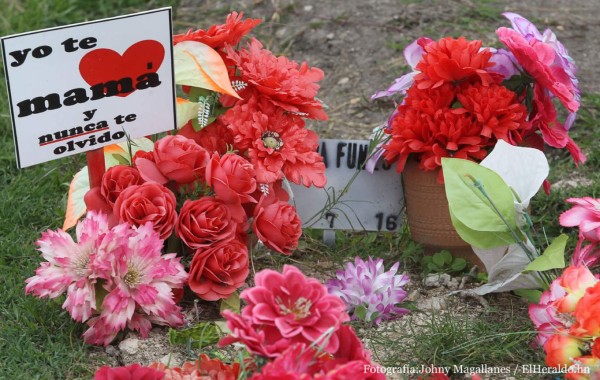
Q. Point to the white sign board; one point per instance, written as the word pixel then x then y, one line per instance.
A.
pixel 374 202
pixel 79 87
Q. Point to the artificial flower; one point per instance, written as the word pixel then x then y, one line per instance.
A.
pixel 204 222
pixel 585 214
pixel 204 368
pixel 215 137
pixel 561 349
pixel 217 36
pixel 218 271
pixel 366 284
pixel 278 226
pixel 563 65
pixel 545 316
pixel 587 313
pixel 454 60
pixel 281 81
pixel 116 179
pixel 148 202
pixel 175 158
pixel 69 266
pixel 277 144
pixel 575 281
pixel 286 308
pixel 232 178
pixel 130 372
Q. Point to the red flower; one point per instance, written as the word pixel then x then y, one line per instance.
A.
pixel 293 307
pixel 205 222
pixel 218 271
pixel 217 36
pixel 116 179
pixel 452 60
pixel 130 372
pixel 421 127
pixel 255 340
pixel 202 369
pixel 283 82
pixel 176 158
pixel 537 58
pixel 232 178
pixel 148 202
pixel 299 362
pixel 276 143
pixel 215 137
pixel 277 225
pixel 497 109
pixel 553 132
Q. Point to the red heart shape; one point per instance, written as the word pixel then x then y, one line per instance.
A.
pixel 103 65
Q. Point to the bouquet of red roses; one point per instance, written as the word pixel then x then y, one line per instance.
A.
pixel 461 98
pixel 202 189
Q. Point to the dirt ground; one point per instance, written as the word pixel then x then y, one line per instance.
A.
pixel 358 43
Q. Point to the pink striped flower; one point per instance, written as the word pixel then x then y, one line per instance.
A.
pixel 68 266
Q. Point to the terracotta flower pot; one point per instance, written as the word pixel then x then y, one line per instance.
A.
pixel 428 215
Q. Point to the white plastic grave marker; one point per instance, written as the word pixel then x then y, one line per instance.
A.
pixel 374 202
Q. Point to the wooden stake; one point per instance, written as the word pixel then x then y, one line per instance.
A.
pixel 96 166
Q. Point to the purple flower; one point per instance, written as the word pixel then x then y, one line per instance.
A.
pixel 366 286
pixel 413 54
pixel 505 63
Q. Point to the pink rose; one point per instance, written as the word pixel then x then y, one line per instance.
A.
pixel 278 226
pixel 218 271
pixel 148 202
pixel 204 222
pixel 176 158
pixel 232 178
pixel 116 179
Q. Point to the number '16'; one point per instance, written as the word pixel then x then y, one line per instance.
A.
pixel 391 222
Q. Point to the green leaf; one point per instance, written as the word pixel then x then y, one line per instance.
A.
pixel 232 303
pixel 360 312
pixel 438 259
pixel 531 295
pixel 481 239
pixel 468 187
pixel 122 160
pixel 201 335
pixel 552 258
pixel 458 264
pixel 446 256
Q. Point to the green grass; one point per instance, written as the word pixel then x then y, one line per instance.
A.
pixel 38 339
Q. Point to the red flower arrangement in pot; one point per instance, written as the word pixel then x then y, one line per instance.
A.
pixel 459 100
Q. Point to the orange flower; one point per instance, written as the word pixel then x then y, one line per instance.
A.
pixel 575 281
pixel 561 349
pixel 454 60
pixel 587 313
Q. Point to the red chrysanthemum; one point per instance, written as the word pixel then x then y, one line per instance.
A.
pixel 283 82
pixel 454 60
pixel 497 109
pixel 217 36
pixel 276 142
